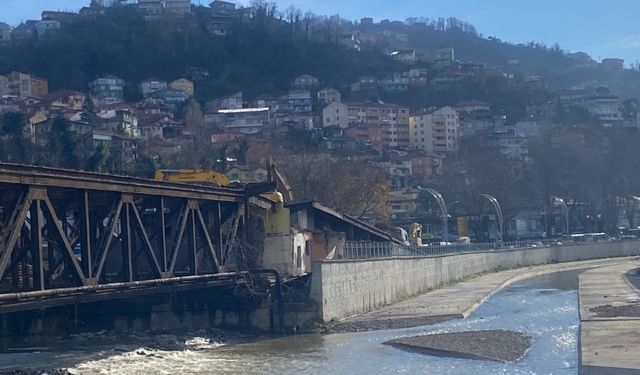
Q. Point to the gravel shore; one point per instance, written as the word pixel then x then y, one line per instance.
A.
pixel 498 346
pixel 371 323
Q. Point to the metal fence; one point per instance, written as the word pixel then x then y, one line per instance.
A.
pixel 374 250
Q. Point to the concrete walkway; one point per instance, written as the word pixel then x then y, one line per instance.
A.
pixel 609 321
pixel 454 301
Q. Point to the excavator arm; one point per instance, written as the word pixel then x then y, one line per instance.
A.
pixel 282 185
pixel 191 176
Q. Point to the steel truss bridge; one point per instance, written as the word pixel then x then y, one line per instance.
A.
pixel 68 236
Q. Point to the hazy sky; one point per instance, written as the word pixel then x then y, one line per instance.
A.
pixel 603 28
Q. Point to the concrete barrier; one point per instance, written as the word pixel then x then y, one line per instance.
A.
pixel 349 287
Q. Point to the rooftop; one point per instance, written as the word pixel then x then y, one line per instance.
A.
pixel 244 110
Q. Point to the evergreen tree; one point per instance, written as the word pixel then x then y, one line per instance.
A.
pixel 98 160
pixel 88 114
pixel 17 148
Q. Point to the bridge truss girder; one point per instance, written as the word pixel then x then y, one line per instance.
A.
pixel 60 237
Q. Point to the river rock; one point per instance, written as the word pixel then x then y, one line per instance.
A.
pixel 498 345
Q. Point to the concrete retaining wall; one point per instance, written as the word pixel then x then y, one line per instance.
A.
pixel 347 288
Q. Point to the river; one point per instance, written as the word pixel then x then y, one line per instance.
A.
pixel 546 308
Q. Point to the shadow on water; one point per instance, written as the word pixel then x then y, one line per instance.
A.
pixel 543 307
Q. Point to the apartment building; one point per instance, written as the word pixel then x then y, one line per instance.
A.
pixel 435 131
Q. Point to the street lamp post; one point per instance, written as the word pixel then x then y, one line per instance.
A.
pixel 443 209
pixel 557 201
pixel 496 206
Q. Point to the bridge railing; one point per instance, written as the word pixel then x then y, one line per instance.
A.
pixel 376 250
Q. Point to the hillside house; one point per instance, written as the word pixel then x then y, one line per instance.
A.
pixel 5 33
pixel 46 28
pixel 4 86
pixel 26 86
pixel 305 82
pixel 171 98
pixel 244 120
pixel 233 101
pixel 222 7
pixel 335 114
pixel 329 95
pixel 151 85
pixel 184 85
pixel 177 7
pixel 107 89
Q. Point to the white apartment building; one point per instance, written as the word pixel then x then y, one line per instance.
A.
pixel 436 131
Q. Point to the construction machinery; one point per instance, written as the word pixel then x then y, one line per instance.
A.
pixel 415 234
pixel 282 185
pixel 282 193
pixel 191 176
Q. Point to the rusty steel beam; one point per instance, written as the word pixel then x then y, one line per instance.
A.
pixel 85 236
pixel 75 232
pixel 68 251
pixel 14 227
pixel 145 241
pixel 36 242
pixel 105 249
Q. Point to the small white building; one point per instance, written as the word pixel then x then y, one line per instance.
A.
pixel 121 122
pixel 335 114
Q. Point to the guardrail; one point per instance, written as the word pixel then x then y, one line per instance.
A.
pixel 376 250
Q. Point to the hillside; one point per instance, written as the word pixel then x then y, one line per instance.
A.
pixel 263 55
pixel 257 58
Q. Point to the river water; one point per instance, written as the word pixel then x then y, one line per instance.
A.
pixel 543 307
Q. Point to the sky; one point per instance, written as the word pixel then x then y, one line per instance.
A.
pixel 602 28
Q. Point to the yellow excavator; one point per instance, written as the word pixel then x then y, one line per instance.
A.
pixel 200 176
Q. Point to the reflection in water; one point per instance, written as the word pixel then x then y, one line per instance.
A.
pixel 544 308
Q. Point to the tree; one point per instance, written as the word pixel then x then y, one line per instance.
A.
pixel 98 160
pixel 17 148
pixel 62 145
pixel 88 114
pixel 478 169
pixel 348 185
pixel 240 153
pixel 221 164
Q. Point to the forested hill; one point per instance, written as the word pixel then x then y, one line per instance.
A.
pixel 258 57
pixel 263 55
